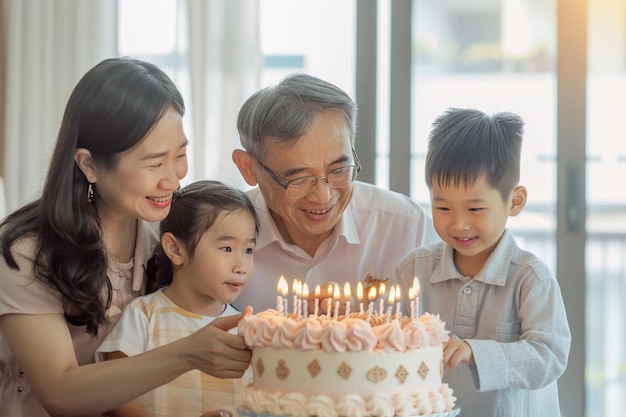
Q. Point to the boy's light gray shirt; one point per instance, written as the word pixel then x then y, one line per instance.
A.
pixel 513 316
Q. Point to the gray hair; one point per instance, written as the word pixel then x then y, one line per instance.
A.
pixel 288 109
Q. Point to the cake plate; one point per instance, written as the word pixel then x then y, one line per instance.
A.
pixel 452 413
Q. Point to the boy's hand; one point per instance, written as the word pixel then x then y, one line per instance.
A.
pixel 456 351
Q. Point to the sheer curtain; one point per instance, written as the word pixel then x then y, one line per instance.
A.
pixel 48 46
pixel 224 69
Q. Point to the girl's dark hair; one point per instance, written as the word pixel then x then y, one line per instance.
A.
pixel 466 143
pixel 111 109
pixel 194 210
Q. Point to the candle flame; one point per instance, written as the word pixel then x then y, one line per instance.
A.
pixel 416 286
pixel 383 289
pixel 411 293
pixel 398 293
pixel 317 291
pixel 392 295
pixel 283 288
pixel 337 293
pixel 359 291
pixel 305 291
pixel 371 295
pixel 347 291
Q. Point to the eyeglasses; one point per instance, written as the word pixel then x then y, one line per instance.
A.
pixel 301 186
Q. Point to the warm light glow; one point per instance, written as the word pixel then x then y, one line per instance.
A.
pixel 347 291
pixel 329 290
pixel 416 287
pixel 359 291
pixel 398 293
pixel 383 289
pixel 294 286
pixel 318 290
pixel 411 293
pixel 392 295
pixel 305 291
pixel 283 288
pixel 371 295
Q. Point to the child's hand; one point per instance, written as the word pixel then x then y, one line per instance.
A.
pixel 456 351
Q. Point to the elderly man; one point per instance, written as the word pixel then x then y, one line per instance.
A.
pixel 317 223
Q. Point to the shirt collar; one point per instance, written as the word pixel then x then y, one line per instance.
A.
pixel 494 271
pixel 345 227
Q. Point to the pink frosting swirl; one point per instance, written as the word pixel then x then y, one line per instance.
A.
pixel 334 336
pixel 352 405
pixel 285 334
pixel 423 404
pixel 310 336
pixel 380 405
pixel 404 404
pixel 359 336
pixel 321 406
pixel 294 404
pixel 435 328
pixel 353 333
pixel 390 337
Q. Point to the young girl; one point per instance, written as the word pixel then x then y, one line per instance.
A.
pixel 203 263
pixel 73 259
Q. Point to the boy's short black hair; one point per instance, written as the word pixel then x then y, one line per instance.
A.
pixel 465 143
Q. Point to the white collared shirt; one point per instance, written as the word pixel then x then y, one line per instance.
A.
pixel 376 229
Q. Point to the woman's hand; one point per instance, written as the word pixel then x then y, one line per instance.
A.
pixel 216 352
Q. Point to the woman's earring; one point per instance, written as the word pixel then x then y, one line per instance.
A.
pixel 90 193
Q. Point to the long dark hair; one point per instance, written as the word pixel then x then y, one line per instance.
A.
pixel 112 108
pixel 195 208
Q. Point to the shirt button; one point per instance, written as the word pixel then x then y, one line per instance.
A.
pixel 467 290
pixel 20 390
pixel 20 372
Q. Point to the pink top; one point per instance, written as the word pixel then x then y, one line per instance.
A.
pixel 21 294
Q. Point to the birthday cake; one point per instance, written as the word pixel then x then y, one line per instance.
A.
pixel 356 365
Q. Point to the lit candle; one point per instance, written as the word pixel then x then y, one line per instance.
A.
pixel 282 289
pixel 336 297
pixel 329 300
pixel 305 298
pixel 347 291
pixel 371 296
pixel 390 301
pixel 412 299
pixel 359 295
pixel 317 300
pixel 416 291
pixel 294 290
pixel 381 302
pixel 417 300
pixel 398 300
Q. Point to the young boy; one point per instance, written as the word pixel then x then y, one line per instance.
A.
pixel 203 263
pixel 510 337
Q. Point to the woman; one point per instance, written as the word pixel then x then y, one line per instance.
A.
pixel 76 256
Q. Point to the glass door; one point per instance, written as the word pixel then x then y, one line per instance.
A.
pixel 492 55
pixel 561 65
pixel 606 210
